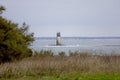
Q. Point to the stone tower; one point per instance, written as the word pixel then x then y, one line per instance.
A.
pixel 58 39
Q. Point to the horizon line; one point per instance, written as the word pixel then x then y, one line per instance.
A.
pixel 108 37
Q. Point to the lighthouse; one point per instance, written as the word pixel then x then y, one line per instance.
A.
pixel 58 39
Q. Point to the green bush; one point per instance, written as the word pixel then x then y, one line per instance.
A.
pixel 43 53
pixel 14 40
pixel 62 54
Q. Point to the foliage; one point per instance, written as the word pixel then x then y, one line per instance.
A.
pixel 43 53
pixel 2 9
pixel 75 76
pixel 56 67
pixel 14 40
pixel 62 54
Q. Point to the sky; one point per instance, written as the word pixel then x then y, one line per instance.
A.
pixel 72 18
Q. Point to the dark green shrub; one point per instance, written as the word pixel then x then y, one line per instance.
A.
pixel 14 40
pixel 62 53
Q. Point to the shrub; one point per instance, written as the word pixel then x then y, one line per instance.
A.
pixel 14 40
pixel 43 53
pixel 62 54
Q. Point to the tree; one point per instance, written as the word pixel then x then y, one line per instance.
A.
pixel 14 40
pixel 2 9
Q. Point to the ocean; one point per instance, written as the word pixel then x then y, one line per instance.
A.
pixel 95 45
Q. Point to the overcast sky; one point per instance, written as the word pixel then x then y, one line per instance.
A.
pixel 70 17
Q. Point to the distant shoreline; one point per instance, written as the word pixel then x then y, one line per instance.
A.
pixel 78 37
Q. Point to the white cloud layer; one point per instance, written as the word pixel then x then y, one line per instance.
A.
pixel 70 17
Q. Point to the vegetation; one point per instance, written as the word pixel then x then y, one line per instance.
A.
pixel 71 77
pixel 44 65
pixel 14 40
pixel 82 66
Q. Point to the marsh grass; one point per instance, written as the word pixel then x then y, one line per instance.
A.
pixel 44 63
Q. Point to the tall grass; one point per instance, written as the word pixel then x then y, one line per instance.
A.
pixel 44 63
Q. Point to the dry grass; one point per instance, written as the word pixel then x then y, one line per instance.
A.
pixel 57 65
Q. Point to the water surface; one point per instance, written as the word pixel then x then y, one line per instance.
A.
pixel 83 44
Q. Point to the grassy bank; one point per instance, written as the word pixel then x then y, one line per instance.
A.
pixel 46 66
pixel 71 77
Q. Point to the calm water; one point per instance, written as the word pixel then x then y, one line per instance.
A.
pixel 94 45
